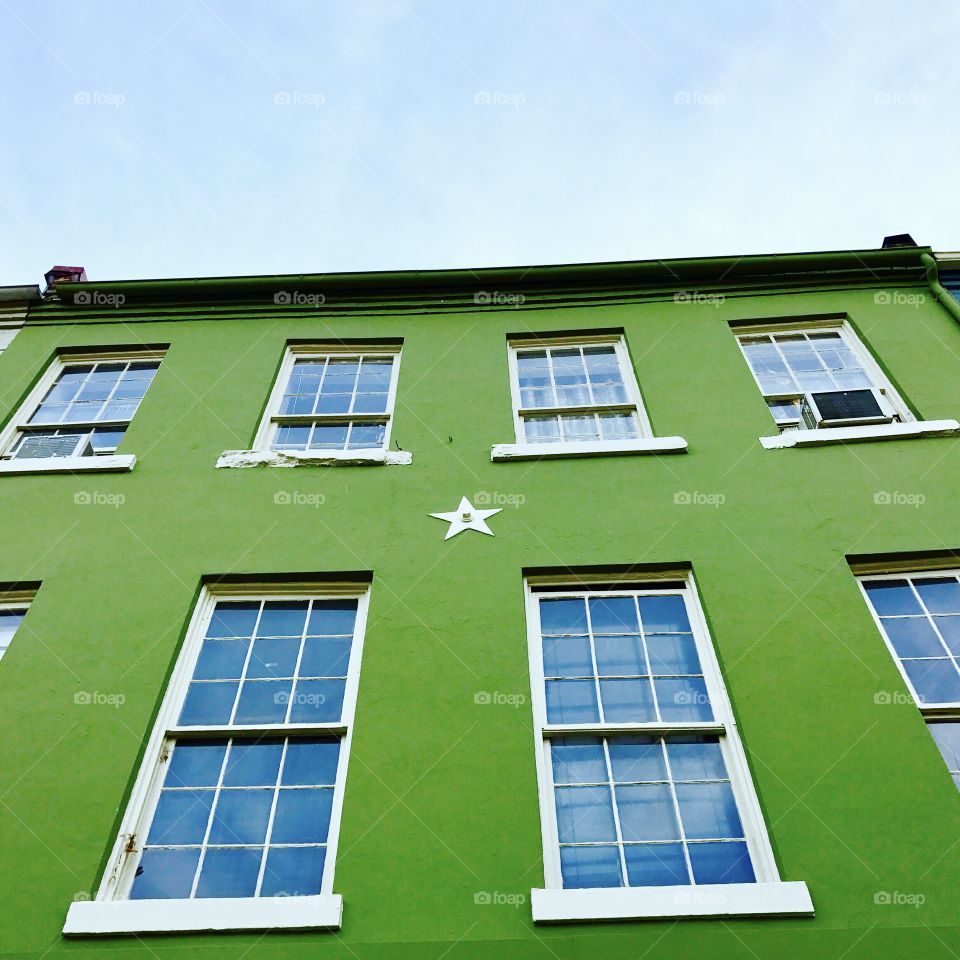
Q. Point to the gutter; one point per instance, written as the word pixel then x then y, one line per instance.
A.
pixel 940 293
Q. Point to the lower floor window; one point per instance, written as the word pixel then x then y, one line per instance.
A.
pixel 82 442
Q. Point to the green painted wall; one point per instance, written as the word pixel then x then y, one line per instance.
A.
pixel 441 799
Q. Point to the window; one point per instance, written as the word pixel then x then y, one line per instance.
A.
pixel 240 794
pixel 643 780
pixel 919 617
pixel 11 616
pixel 575 392
pixel 80 408
pixel 819 376
pixel 327 400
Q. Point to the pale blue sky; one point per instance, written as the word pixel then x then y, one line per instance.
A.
pixel 206 137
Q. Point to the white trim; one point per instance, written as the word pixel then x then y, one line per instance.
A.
pixel 121 866
pixel 706 900
pixel 109 463
pixel 293 352
pixel 628 374
pixel 587 448
pixel 103 918
pixel 243 459
pixel 748 806
pixel 8 332
pixel 873 431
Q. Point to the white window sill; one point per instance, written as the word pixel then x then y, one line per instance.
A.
pixel 114 463
pixel 99 918
pixel 325 458
pixel 873 431
pixel 586 448
pixel 639 903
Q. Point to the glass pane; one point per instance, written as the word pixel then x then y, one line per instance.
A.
pixel 627 701
pixel 947 738
pixel 708 810
pixel 567 657
pixel 367 436
pixel 936 681
pixel 165 874
pixel 325 657
pixel 234 619
pixel 293 872
pixel 618 426
pixel 370 403
pixel 563 616
pixel 673 654
pixel 613 615
pixel 317 701
pixel 940 595
pixel 297 405
pixel 292 438
pixel 913 637
pixel 949 628
pixel 721 863
pixel 578 760
pixel 302 816
pixel 696 758
pixel 311 762
pixel 533 397
pixel 221 659
pixel 892 597
pixel 282 618
pixel 541 429
pixel 683 698
pixel 620 657
pixel 656 865
pixel 208 704
pixel 664 615
pixel 253 764
pixel 647 813
pixel 274 657
pixel 580 428
pixel 333 403
pixel 181 817
pixel 263 701
pixel 241 816
pixel 229 873
pixel 584 815
pixel 587 867
pixel 196 763
pixel 636 758
pixel 332 617
pixel 329 436
pixel 571 701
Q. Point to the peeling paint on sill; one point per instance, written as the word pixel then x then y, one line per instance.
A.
pixel 244 459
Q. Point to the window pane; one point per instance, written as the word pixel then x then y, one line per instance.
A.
pixel 571 701
pixel 708 810
pixel 317 701
pixel 311 762
pixel 936 681
pixel 541 429
pixel 947 738
pixel 221 659
pixel 253 764
pixel 229 873
pixel 563 616
pixel 613 615
pixel 263 701
pixel 165 874
pixel 664 615
pixel 949 628
pixel 721 863
pixel 656 865
pixel 208 704
pixel 580 428
pixel 233 619
pixel 241 816
pixel 584 815
pixel 637 758
pixel 181 817
pixel 567 657
pixel 283 618
pixel 293 872
pixel 332 617
pixel 620 657
pixel 673 654
pixel 325 657
pixel 618 426
pixel 683 698
pixel 196 763
pixel 578 760
pixel 892 597
pixel 913 637
pixel 627 701
pixel 302 816
pixel 696 758
pixel 273 657
pixel 291 438
pixel 367 436
pixel 329 436
pixel 370 403
pixel 647 812
pixel 586 867
pixel 940 595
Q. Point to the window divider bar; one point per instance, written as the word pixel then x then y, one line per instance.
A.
pixel 255 730
pixel 612 729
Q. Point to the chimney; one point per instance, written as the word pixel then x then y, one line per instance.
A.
pixel 74 274
pixel 899 240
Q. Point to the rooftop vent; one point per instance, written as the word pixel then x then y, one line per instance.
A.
pixel 899 240
pixel 74 274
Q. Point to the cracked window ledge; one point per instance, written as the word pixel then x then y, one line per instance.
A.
pixel 592 448
pixel 324 458
pixel 875 431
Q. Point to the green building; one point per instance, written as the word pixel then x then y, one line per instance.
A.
pixel 602 610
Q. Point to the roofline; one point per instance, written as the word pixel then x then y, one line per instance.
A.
pixel 874 264
pixel 25 294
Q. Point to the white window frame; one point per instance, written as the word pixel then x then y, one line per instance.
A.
pixel 272 417
pixel 111 462
pixel 112 911
pixel 8 332
pixel 523 449
pixel 18 601
pixel 768 895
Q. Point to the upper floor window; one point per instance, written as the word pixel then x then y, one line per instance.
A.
pixel 642 777
pixel 80 408
pixel 919 617
pixel 12 613
pixel 575 391
pixel 819 376
pixel 329 400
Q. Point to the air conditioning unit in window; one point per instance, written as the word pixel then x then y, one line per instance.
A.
pixel 846 408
